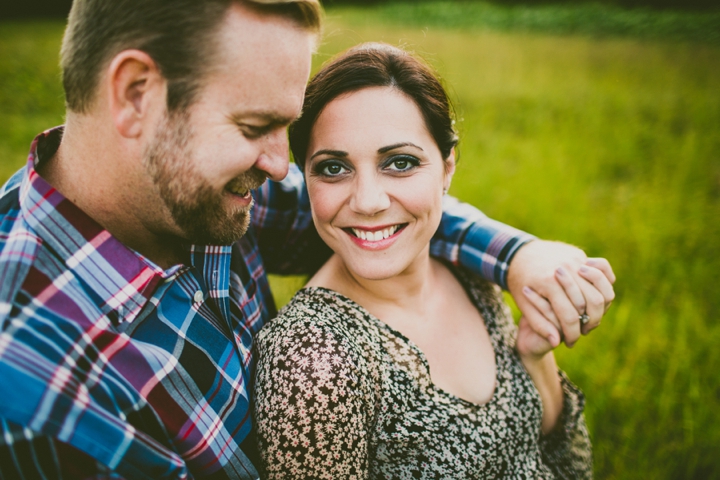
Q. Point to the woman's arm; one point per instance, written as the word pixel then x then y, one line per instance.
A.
pixel 313 404
pixel 564 442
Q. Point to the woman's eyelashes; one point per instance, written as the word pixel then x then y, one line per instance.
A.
pixel 330 168
pixel 401 163
pixel 334 168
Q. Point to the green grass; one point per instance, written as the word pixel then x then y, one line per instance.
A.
pixel 31 95
pixel 590 19
pixel 610 143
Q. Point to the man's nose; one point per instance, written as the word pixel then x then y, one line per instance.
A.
pixel 274 155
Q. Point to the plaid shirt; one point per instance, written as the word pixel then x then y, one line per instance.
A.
pixel 111 367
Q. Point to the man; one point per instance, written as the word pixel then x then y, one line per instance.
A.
pixel 133 269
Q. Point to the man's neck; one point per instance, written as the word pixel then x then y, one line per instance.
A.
pixel 90 173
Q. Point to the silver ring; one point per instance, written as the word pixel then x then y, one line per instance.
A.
pixel 584 319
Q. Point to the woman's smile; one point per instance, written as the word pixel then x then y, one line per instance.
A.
pixel 375 238
pixel 380 191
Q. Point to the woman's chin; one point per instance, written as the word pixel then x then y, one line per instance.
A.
pixel 374 270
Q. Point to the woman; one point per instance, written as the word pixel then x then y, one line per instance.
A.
pixel 390 363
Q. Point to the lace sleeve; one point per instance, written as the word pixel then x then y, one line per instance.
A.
pixel 314 402
pixel 567 450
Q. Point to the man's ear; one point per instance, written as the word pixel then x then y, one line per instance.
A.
pixel 136 89
pixel 449 170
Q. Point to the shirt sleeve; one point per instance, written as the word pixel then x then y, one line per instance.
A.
pixel 467 237
pixel 567 450
pixel 313 405
pixel 25 454
pixel 282 221
pixel 290 244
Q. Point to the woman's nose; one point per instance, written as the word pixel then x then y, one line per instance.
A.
pixel 370 196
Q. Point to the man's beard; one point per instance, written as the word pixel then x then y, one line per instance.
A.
pixel 195 205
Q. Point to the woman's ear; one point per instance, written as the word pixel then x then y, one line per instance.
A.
pixel 136 89
pixel 449 170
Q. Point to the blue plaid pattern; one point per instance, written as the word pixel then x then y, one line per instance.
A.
pixel 111 367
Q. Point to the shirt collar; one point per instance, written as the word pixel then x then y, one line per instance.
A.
pixel 119 280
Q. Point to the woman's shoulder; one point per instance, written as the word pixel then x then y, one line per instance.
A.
pixel 319 338
pixel 317 314
pixel 490 301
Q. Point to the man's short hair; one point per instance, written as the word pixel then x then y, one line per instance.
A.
pixel 178 34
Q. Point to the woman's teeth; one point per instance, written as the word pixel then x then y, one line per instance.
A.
pixel 377 235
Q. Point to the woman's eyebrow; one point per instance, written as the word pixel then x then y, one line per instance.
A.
pixel 334 153
pixel 398 145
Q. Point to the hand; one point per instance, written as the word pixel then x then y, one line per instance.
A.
pixel 530 344
pixel 553 283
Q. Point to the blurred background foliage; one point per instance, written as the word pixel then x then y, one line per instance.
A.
pixel 590 123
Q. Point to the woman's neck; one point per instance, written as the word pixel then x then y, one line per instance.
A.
pixel 406 292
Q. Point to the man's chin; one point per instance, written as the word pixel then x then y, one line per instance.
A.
pixel 219 233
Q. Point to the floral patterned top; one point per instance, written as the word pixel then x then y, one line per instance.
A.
pixel 340 394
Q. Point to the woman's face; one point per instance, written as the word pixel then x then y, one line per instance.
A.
pixel 376 177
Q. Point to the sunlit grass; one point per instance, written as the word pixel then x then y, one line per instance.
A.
pixel 610 143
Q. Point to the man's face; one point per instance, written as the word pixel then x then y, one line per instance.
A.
pixel 204 162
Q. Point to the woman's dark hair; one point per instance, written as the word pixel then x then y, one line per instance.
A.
pixel 376 65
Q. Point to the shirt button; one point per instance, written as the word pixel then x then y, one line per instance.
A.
pixel 198 297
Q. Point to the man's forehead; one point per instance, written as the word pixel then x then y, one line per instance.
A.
pixel 263 47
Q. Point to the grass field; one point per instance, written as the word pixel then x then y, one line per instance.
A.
pixel 608 142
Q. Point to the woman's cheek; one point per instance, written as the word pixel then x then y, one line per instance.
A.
pixel 324 205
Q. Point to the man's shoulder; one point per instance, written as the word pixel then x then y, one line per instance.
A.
pixel 18 245
pixel 10 194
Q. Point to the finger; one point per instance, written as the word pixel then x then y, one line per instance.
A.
pixel 595 305
pixel 541 325
pixel 542 306
pixel 600 281
pixel 565 311
pixel 572 289
pixel 529 342
pixel 604 266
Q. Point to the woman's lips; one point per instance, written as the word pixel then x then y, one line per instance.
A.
pixel 376 238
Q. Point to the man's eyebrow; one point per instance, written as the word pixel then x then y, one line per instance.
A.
pixel 334 153
pixel 270 118
pixel 398 145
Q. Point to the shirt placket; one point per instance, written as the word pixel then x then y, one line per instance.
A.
pixel 211 275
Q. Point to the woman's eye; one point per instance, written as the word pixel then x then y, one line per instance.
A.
pixel 402 164
pixel 330 169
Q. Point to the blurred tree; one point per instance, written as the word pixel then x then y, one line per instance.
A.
pixel 11 9
pixel 658 4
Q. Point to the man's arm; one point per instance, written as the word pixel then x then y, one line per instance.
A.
pixel 467 237
pixel 289 243
pixel 497 252
pixel 282 221
pixel 552 283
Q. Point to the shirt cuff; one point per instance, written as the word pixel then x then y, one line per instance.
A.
pixel 469 238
